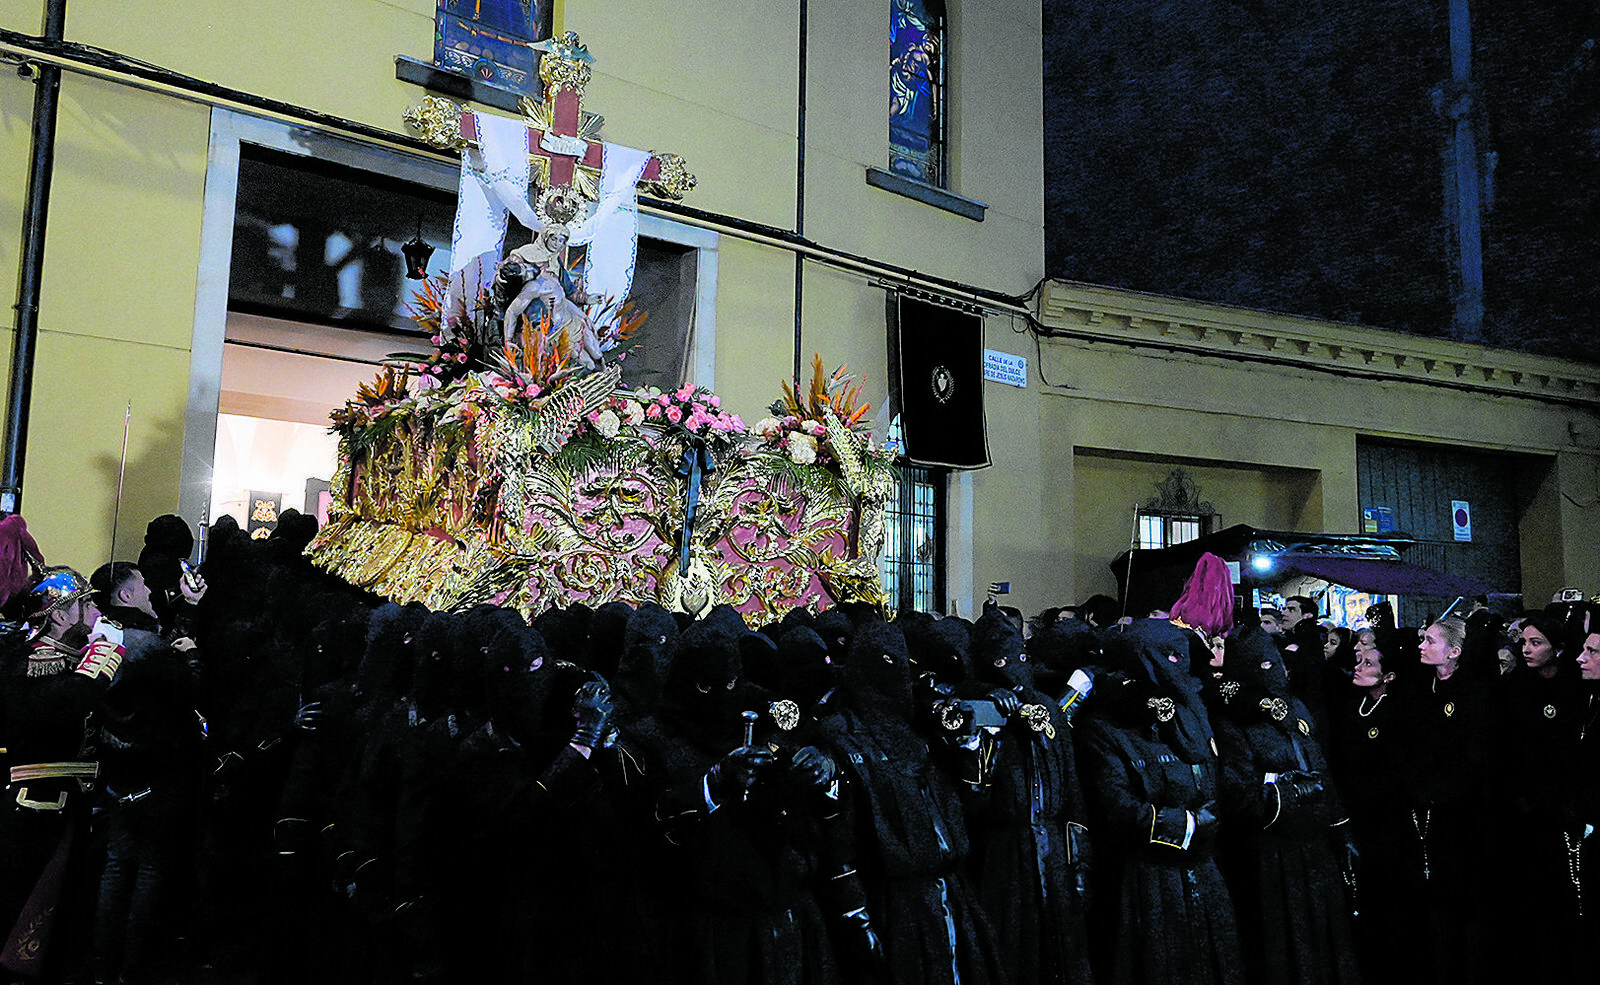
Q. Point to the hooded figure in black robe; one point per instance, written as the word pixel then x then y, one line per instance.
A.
pixel 545 882
pixel 738 884
pixel 1285 819
pixel 1029 823
pixel 911 844
pixel 1150 762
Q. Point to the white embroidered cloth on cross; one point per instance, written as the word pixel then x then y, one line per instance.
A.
pixel 495 178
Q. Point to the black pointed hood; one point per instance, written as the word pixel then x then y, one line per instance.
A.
pixel 877 673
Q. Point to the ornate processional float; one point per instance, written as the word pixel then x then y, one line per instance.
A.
pixel 512 466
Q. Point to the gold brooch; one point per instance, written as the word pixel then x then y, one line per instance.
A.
pixel 1449 708
pixel 1275 707
pixel 1165 708
pixel 1372 733
pixel 785 713
pixel 1549 711
pixel 1038 719
pixel 1213 741
pixel 1228 689
pixel 1305 726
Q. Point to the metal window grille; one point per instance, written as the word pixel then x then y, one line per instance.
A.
pixel 1158 530
pixel 913 559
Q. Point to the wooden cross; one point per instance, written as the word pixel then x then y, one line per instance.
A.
pixel 563 138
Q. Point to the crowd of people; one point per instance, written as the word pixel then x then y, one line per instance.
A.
pixel 253 772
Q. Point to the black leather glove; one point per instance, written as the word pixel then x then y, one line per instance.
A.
pixel 1304 786
pixel 1080 857
pixel 1205 828
pixel 1006 700
pixel 860 947
pixel 734 774
pixel 1345 850
pixel 593 707
pixel 861 941
pixel 815 766
pixel 1300 791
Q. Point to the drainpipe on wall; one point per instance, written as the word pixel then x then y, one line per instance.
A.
pixel 800 191
pixel 46 97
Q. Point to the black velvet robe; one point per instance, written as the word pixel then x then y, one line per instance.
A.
pixel 1540 722
pixel 1174 920
pixel 910 844
pixel 1368 752
pixel 1149 761
pixel 1021 859
pixel 43 721
pixel 1291 897
pixel 1448 779
pixel 736 888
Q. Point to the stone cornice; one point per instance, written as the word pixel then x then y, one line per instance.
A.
pixel 1088 312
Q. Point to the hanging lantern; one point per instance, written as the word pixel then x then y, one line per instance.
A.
pixel 416 253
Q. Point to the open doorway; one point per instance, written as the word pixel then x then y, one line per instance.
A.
pixel 280 380
pixel 305 230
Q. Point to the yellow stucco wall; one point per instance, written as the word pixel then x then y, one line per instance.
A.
pixel 16 122
pixel 115 316
pixel 1104 418
pixel 1273 443
pixel 711 81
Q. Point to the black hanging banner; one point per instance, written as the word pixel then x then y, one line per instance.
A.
pixel 939 354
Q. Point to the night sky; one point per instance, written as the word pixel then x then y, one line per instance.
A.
pixel 1292 157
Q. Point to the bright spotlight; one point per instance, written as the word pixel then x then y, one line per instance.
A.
pixel 1261 562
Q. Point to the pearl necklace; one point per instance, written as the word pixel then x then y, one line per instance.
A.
pixel 1369 711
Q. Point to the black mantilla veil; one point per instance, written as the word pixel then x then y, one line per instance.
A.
pixel 1155 650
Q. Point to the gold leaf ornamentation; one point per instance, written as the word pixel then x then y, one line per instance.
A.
pixel 437 121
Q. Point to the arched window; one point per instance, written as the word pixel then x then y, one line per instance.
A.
pixel 917 90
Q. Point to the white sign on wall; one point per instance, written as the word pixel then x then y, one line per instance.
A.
pixel 1003 367
pixel 1461 516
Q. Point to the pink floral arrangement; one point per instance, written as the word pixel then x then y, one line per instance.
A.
pixel 692 411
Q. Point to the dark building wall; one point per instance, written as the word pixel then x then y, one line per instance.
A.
pixel 1419 483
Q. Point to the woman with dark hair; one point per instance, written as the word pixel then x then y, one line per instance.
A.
pixel 1541 705
pixel 1339 650
pixel 1583 793
pixel 1368 758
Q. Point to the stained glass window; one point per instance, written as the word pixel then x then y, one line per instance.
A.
pixel 916 90
pixel 488 39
